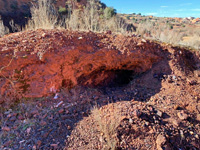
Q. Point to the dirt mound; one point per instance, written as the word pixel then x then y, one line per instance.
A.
pixel 163 111
pixel 108 91
pixel 37 63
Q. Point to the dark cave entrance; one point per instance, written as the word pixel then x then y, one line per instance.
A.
pixel 122 77
pixel 103 78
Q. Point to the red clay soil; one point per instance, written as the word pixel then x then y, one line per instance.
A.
pixel 147 94
pixel 39 63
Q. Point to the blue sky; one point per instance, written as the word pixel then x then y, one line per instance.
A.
pixel 160 8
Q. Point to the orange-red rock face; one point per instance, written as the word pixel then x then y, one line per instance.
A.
pixel 37 63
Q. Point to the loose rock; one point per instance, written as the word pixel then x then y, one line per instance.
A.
pixel 6 129
pixel 160 141
pixel 182 115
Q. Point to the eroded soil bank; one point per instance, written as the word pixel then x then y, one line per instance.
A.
pixel 81 90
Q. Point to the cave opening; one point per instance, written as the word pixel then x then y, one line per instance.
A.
pixel 122 78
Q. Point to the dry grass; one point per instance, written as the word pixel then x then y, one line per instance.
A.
pixel 162 32
pixel 15 27
pixel 44 16
pixel 3 30
pixel 92 19
pixel 107 121
pixel 193 41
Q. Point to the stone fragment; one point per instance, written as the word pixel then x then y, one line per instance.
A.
pixel 198 117
pixel 34 147
pixel 6 128
pixel 54 145
pixel 61 111
pixel 69 127
pixel 160 141
pixel 131 121
pixel 34 111
pixel 159 113
pixel 43 123
pixel 13 118
pixel 137 113
pixel 182 115
pixel 20 117
pixel 39 143
pixel 175 122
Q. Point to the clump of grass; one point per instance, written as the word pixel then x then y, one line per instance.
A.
pixel 3 29
pixel 107 121
pixel 44 16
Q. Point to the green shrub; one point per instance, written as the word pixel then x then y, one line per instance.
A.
pixel 62 10
pixel 171 26
pixel 109 12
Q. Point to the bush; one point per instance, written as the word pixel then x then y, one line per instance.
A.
pixel 62 10
pixel 183 25
pixel 170 26
pixel 109 12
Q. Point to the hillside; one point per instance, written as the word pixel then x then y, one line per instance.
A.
pixel 177 31
pixel 63 89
